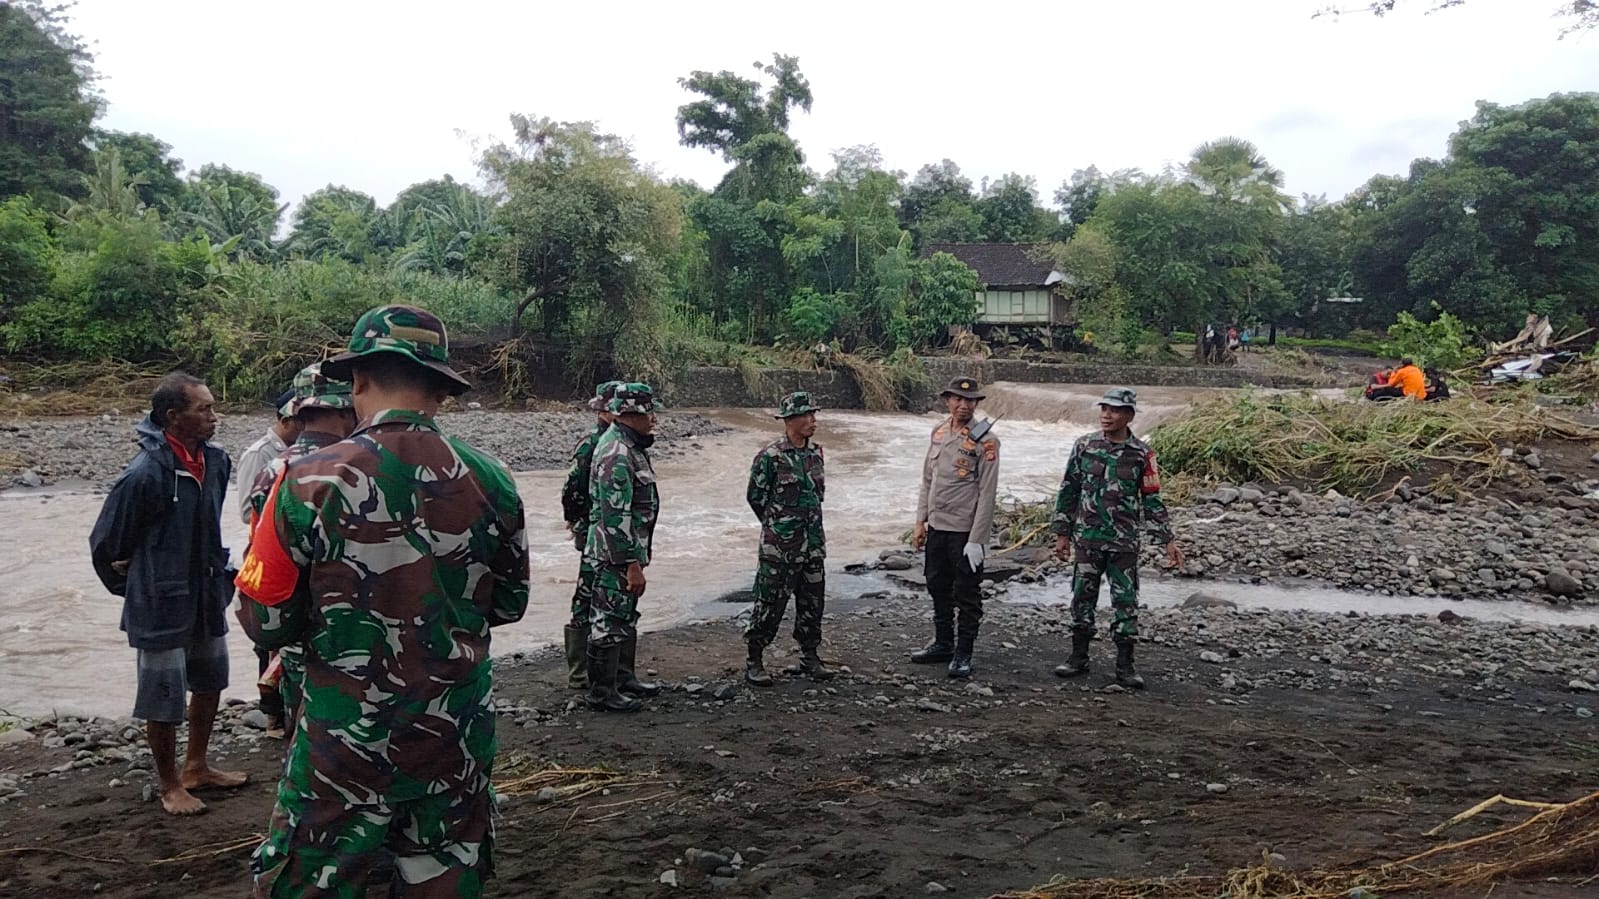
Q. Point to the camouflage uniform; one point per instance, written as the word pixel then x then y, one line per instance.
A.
pixel 411 546
pixel 785 492
pixel 575 502
pixel 624 504
pixel 1110 491
pixel 312 390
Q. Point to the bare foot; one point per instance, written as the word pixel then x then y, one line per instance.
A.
pixel 273 733
pixel 201 778
pixel 179 801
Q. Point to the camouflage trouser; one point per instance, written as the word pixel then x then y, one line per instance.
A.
pixel 613 618
pixel 443 846
pixel 292 658
pixel 774 581
pixel 1120 567
pixel 583 595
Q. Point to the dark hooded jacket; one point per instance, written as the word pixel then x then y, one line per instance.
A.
pixel 169 527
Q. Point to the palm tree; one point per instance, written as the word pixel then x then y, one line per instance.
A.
pixel 1234 169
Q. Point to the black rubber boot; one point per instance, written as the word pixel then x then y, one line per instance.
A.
pixel 626 679
pixel 810 665
pixel 603 696
pixel 577 642
pixel 960 664
pixel 755 669
pixel 1077 662
pixel 1125 675
pixel 942 647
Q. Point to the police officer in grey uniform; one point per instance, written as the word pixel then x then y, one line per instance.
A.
pixel 954 518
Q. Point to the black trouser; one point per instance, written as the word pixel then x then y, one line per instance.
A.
pixel 954 586
pixel 1385 393
pixel 271 703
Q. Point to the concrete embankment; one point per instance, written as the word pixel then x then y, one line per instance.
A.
pixel 837 389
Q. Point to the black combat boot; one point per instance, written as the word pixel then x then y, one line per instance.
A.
pixel 942 647
pixel 1077 662
pixel 960 663
pixel 603 696
pixel 1125 675
pixel 810 665
pixel 755 669
pixel 577 641
pixel 626 680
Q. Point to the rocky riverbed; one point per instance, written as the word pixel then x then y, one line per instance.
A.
pixel 893 778
pixel 94 449
pixel 1486 549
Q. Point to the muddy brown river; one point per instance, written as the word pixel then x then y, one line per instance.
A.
pixel 61 650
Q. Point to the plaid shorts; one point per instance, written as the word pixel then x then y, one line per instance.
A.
pixel 166 676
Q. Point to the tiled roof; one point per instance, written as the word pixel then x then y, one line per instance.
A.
pixel 1001 264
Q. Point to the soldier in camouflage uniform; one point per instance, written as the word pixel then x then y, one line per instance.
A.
pixel 785 493
pixel 622 512
pixel 326 412
pixel 575 510
pixel 1110 491
pixel 411 547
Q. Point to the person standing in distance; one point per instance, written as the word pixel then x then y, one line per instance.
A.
pixel 277 439
pixel 624 507
pixel 158 545
pixel 1110 492
pixel 575 510
pixel 326 413
pixel 412 548
pixel 785 492
pixel 954 516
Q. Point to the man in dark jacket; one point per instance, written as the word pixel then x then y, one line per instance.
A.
pixel 158 545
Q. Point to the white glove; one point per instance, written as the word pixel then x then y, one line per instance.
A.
pixel 974 555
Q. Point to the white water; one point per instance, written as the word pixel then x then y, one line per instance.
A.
pixel 60 648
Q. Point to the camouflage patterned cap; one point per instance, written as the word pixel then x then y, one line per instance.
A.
pixel 634 397
pixel 602 395
pixel 284 403
pixel 410 331
pixel 796 403
pixel 964 387
pixel 315 390
pixel 1120 396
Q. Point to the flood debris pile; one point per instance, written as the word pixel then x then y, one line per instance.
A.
pixel 1320 444
pixel 1560 840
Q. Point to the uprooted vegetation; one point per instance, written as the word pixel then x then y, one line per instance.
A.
pixel 1561 839
pixel 1354 448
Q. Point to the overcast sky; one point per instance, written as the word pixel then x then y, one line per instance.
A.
pixel 379 95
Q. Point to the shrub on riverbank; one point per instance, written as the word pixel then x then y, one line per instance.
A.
pixel 1354 448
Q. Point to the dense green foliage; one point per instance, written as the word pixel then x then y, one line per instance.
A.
pixel 110 248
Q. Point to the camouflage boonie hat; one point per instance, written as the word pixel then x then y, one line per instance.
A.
pixel 410 331
pixel 796 403
pixel 1120 396
pixel 315 390
pixel 634 397
pixel 602 396
pixel 964 387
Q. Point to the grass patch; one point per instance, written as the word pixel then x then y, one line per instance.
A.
pixel 77 388
pixel 1350 447
pixel 1336 344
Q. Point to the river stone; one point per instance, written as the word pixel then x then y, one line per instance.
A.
pixel 1227 495
pixel 15 735
pixel 1250 495
pixel 1581 686
pixel 896 562
pixel 1487 576
pixel 30 478
pixel 1207 601
pixel 1532 460
pixel 1561 583
pixel 1594 459
pixel 1212 658
pixel 254 718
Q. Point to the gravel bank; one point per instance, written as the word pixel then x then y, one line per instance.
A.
pixel 1483 550
pixel 95 449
